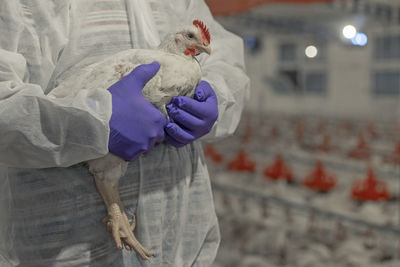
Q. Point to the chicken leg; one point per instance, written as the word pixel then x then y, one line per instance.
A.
pixel 106 172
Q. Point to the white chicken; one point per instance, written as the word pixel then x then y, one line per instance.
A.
pixel 178 75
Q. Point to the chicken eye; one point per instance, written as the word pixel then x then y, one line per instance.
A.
pixel 190 35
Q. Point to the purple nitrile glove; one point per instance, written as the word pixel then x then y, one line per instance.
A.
pixel 135 124
pixel 192 118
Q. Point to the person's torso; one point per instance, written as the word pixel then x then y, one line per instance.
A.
pixel 63 36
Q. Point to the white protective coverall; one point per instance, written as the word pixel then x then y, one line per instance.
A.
pixel 50 210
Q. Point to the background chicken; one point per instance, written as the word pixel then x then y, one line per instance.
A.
pixel 178 75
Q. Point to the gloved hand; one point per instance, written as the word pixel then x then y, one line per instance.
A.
pixel 135 124
pixel 193 118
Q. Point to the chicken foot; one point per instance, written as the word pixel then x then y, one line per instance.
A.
pixel 117 221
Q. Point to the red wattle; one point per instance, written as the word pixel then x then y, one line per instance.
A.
pixel 190 51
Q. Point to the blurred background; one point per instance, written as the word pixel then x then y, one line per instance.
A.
pixel 311 177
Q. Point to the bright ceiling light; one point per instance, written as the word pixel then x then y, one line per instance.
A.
pixel 349 31
pixel 360 39
pixel 311 51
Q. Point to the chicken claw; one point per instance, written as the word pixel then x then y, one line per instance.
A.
pixel 118 225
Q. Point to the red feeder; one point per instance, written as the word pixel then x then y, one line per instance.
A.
pixel 361 151
pixel 321 127
pixel 242 163
pixel 371 130
pixel 278 170
pixel 274 131
pixel 211 152
pixel 299 131
pixel 318 180
pixel 345 127
pixel 395 157
pixel 326 144
pixel 370 189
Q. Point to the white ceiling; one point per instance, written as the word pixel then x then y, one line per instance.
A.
pixel 314 18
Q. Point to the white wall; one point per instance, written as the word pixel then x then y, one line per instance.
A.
pixel 349 72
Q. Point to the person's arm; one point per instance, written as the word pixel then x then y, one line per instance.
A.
pixel 218 103
pixel 39 132
pixel 36 131
pixel 224 69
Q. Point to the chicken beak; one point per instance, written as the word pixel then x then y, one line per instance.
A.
pixel 203 48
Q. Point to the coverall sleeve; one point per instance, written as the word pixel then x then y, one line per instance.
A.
pixel 36 131
pixel 224 69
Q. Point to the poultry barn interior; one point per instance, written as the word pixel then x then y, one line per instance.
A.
pixel 311 176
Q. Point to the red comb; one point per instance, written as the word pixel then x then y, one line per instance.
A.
pixel 205 34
